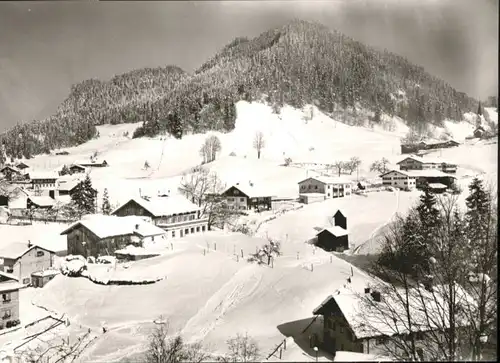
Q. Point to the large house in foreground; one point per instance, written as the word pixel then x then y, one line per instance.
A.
pixel 9 300
pixel 101 235
pixel 246 196
pixel 23 259
pixel 366 322
pixel 175 214
pixel 43 180
pixel 328 187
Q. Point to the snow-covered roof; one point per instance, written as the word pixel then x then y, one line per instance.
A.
pixel 253 190
pixel 16 250
pixel 13 168
pixel 104 226
pixel 49 272
pixel 368 318
pixel 43 175
pixel 437 185
pixel 68 185
pixel 329 180
pixel 42 201
pixel 403 172
pixel 10 286
pixel 426 160
pixel 8 276
pixel 336 231
pixel 164 206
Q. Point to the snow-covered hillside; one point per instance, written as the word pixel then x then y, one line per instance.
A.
pixel 292 133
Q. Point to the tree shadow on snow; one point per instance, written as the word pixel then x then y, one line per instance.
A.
pixel 304 339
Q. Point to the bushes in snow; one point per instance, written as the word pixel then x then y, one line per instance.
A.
pixel 73 265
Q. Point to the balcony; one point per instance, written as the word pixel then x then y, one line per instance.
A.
pixel 175 225
pixel 6 301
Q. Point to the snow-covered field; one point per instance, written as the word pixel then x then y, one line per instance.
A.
pixel 208 293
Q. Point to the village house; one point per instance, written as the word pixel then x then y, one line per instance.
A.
pixel 92 163
pixel 356 322
pixel 64 189
pixel 247 196
pixel 174 214
pixel 429 177
pixel 17 198
pixel 77 169
pixel 329 187
pixel 418 163
pixel 22 259
pixel 9 307
pixel 102 235
pixel 43 180
pixel 479 132
pixel 39 202
pixel 73 169
pixel 409 148
pixel 11 173
pixel 334 238
pixel 399 179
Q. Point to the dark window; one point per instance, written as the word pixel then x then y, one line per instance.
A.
pixel 198 229
pixel 203 228
pixel 186 231
pixel 173 233
pixel 242 199
pixel 192 229
pixel 39 253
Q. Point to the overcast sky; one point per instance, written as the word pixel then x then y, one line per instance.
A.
pixel 47 46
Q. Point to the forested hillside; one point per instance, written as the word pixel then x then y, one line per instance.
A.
pixel 297 64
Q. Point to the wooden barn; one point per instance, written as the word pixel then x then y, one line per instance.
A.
pixel 101 235
pixel 334 238
pixel 409 148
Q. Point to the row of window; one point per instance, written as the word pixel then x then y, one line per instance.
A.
pixel 187 231
pixel 231 199
pixel 176 219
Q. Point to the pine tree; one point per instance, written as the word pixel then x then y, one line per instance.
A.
pixel 106 206
pixel 479 109
pixel 478 210
pixel 84 197
pixel 429 220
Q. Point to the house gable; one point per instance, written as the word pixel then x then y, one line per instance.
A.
pixel 309 179
pixel 394 173
pixel 410 159
pixel 132 204
pixel 234 192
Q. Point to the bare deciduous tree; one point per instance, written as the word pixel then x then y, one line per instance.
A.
pixel 259 143
pixel 203 188
pixel 339 165
pixel 242 348
pixel 352 164
pixel 210 148
pixel 55 350
pixel 450 308
pixel 379 165
pixel 164 349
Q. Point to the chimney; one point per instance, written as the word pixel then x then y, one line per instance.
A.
pixel 376 296
pixel 250 182
pixel 29 244
pixel 367 290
